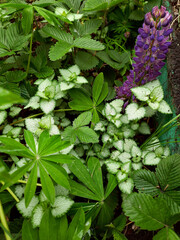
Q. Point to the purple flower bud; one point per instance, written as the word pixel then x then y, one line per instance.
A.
pixel 162 11
pixel 146 46
pixel 163 47
pixel 154 49
pixel 166 20
pixel 146 58
pixel 152 59
pixel 139 54
pixel 152 37
pixel 161 56
pixel 142 33
pixel 156 12
pixel 140 44
pixel 160 38
pixel 168 32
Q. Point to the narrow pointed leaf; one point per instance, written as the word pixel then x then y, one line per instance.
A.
pixel 29 138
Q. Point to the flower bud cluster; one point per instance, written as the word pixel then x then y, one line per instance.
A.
pixel 150 50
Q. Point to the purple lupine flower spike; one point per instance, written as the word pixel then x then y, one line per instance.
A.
pixel 150 49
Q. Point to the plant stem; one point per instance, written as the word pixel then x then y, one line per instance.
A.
pixel 25 182
pixel 30 50
pixel 11 192
pixel 4 222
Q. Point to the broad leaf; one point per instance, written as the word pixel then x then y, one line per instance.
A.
pixel 88 43
pixel 82 120
pixel 166 234
pixel 81 101
pixel 80 60
pixel 87 135
pixel 59 50
pixel 147 213
pixel 7 97
pixel 27 19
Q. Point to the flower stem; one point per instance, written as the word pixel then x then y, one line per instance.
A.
pixel 4 222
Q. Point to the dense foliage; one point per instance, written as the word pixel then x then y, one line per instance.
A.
pixel 80 155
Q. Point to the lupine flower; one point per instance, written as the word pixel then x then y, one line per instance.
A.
pixel 150 50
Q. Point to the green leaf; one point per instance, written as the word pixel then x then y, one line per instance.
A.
pixel 28 232
pixel 88 43
pixel 49 227
pixel 43 3
pixel 15 148
pixel 31 185
pixel 166 234
pixel 59 50
pixel 47 185
pixel 59 158
pixel 81 101
pixel 104 93
pixel 105 58
pixel 15 176
pixel 49 16
pixel 87 135
pixel 146 182
pixel 15 76
pixel 97 87
pixel 96 173
pixel 57 173
pixel 81 191
pixel 147 213
pixel 58 34
pixel 76 228
pixel 62 229
pixel 7 97
pixel 51 145
pixel 29 138
pixel 168 172
pixel 69 134
pixel 80 60
pixel 82 120
pixel 137 15
pixel 27 19
pixel 81 172
pixel 95 117
pixel 112 183
pixel 17 6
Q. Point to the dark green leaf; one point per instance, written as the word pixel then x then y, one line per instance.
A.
pixel 80 60
pixel 15 76
pixel 87 135
pixel 112 183
pixel 59 50
pixel 63 227
pixel 105 58
pixel 97 87
pixel 48 15
pixel 82 120
pixel 103 94
pixel 80 102
pixel 59 158
pixel 88 43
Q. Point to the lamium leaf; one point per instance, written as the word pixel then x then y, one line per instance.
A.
pixel 157 94
pixel 47 106
pixel 164 107
pixel 147 213
pixel 141 93
pixel 134 112
pixel 61 206
pixel 126 186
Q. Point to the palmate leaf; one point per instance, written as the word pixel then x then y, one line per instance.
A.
pixel 28 232
pixel 81 101
pixel 147 213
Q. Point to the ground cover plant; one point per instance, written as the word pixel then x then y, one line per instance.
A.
pixel 81 157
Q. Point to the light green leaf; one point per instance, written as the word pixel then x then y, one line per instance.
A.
pixel 59 158
pixel 147 213
pixel 31 185
pixel 134 112
pixel 49 16
pixel 47 185
pixel 59 50
pixel 88 43
pixel 141 93
pixel 164 107
pixel 61 205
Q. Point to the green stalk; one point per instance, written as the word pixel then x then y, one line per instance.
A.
pixel 4 222
pixel 11 192
pixel 30 50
